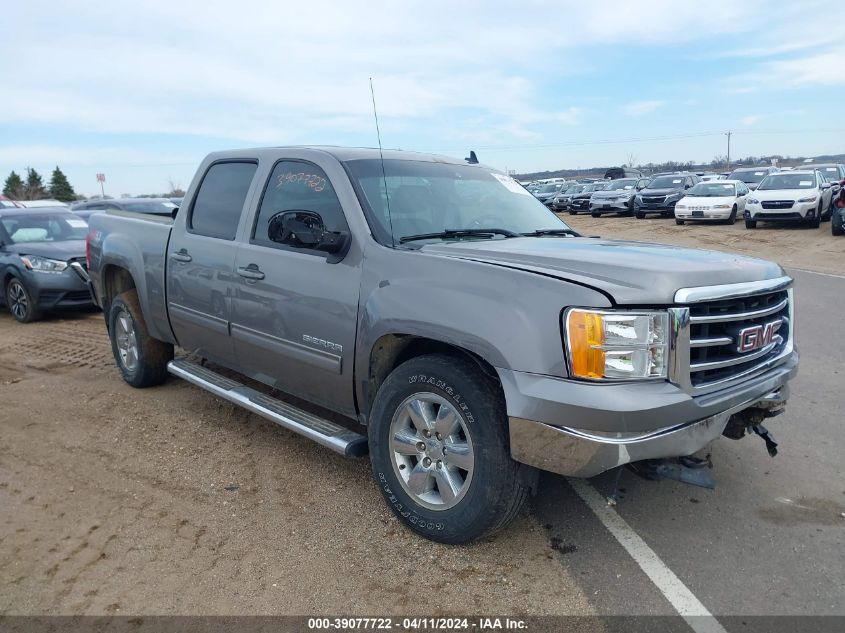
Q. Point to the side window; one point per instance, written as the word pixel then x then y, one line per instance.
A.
pixel 297 186
pixel 220 199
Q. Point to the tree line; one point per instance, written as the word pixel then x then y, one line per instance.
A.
pixel 33 188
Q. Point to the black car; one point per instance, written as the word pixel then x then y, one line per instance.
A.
pixel 581 201
pixel 561 201
pixel 662 193
pixel 837 215
pixel 833 173
pixel 153 206
pixel 42 261
pixel 751 176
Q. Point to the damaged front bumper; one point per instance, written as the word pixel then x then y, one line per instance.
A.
pixel 569 449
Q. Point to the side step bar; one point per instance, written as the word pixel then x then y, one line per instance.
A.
pixel 325 432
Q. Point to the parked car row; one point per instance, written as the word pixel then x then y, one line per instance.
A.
pixel 756 194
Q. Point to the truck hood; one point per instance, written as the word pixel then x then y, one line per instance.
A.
pixel 62 251
pixel 632 273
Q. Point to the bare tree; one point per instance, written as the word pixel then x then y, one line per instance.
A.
pixel 632 159
pixel 176 190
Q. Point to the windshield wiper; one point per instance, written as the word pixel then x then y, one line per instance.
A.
pixel 447 233
pixel 541 232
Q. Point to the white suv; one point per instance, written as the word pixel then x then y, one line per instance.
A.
pixel 794 195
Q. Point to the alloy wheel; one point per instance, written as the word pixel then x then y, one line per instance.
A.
pixel 18 299
pixel 127 343
pixel 432 451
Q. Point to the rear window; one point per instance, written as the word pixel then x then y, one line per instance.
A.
pixel 220 199
pixel 667 182
pixel 749 176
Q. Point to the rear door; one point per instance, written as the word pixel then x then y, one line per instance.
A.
pixel 201 260
pixel 294 308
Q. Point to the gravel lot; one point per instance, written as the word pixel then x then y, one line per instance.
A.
pixel 170 501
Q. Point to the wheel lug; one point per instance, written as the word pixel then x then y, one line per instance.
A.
pixel 427 462
pixel 437 435
pixel 439 464
pixel 444 450
pixel 421 446
pixel 426 433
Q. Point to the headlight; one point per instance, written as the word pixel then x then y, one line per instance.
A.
pixel 752 201
pixel 721 206
pixel 810 199
pixel 680 206
pixel 42 264
pixel 617 345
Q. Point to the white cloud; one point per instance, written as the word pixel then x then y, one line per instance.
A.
pixel 638 108
pixel 751 119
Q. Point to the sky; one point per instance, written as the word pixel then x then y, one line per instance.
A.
pixel 141 91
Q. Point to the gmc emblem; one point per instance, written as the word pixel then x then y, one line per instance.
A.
pixel 757 337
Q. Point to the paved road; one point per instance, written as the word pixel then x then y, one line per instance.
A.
pixel 771 538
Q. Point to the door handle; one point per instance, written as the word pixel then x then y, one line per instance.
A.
pixel 181 256
pixel 250 272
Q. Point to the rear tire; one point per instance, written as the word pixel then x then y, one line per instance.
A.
pixel 751 224
pixel 141 359
pixel 471 489
pixel 20 302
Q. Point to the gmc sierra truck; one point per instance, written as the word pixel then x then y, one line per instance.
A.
pixel 433 313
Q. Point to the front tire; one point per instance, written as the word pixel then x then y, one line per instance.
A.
pixel 816 221
pixel 751 224
pixel 679 222
pixel 732 218
pixel 20 302
pixel 639 215
pixel 595 214
pixel 141 359
pixel 438 438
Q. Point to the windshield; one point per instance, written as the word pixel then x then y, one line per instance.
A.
pixel 615 185
pixel 788 181
pixel 548 188
pixel 428 197
pixel 712 190
pixel 748 176
pixel 54 227
pixel 831 174
pixel 667 182
pixel 596 186
pixel 574 189
pixel 150 206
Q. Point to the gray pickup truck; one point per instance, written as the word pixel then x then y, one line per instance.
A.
pixel 433 313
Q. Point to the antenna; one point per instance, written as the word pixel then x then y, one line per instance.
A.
pixel 383 174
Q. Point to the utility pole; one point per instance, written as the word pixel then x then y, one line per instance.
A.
pixel 728 134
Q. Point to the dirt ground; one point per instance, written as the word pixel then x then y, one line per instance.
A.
pixel 171 501
pixel 789 245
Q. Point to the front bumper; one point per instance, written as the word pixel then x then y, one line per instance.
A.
pixel 704 215
pixel 65 290
pixel 583 429
pixel 663 208
pixel 798 211
pixel 609 206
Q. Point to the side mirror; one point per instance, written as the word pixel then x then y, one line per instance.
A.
pixel 825 185
pixel 305 229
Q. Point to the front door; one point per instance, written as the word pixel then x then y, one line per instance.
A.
pixel 295 311
pixel 201 261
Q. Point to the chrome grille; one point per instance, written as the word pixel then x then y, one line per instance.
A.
pixel 709 334
pixel 654 199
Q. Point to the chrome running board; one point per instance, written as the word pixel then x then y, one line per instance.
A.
pixel 325 432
